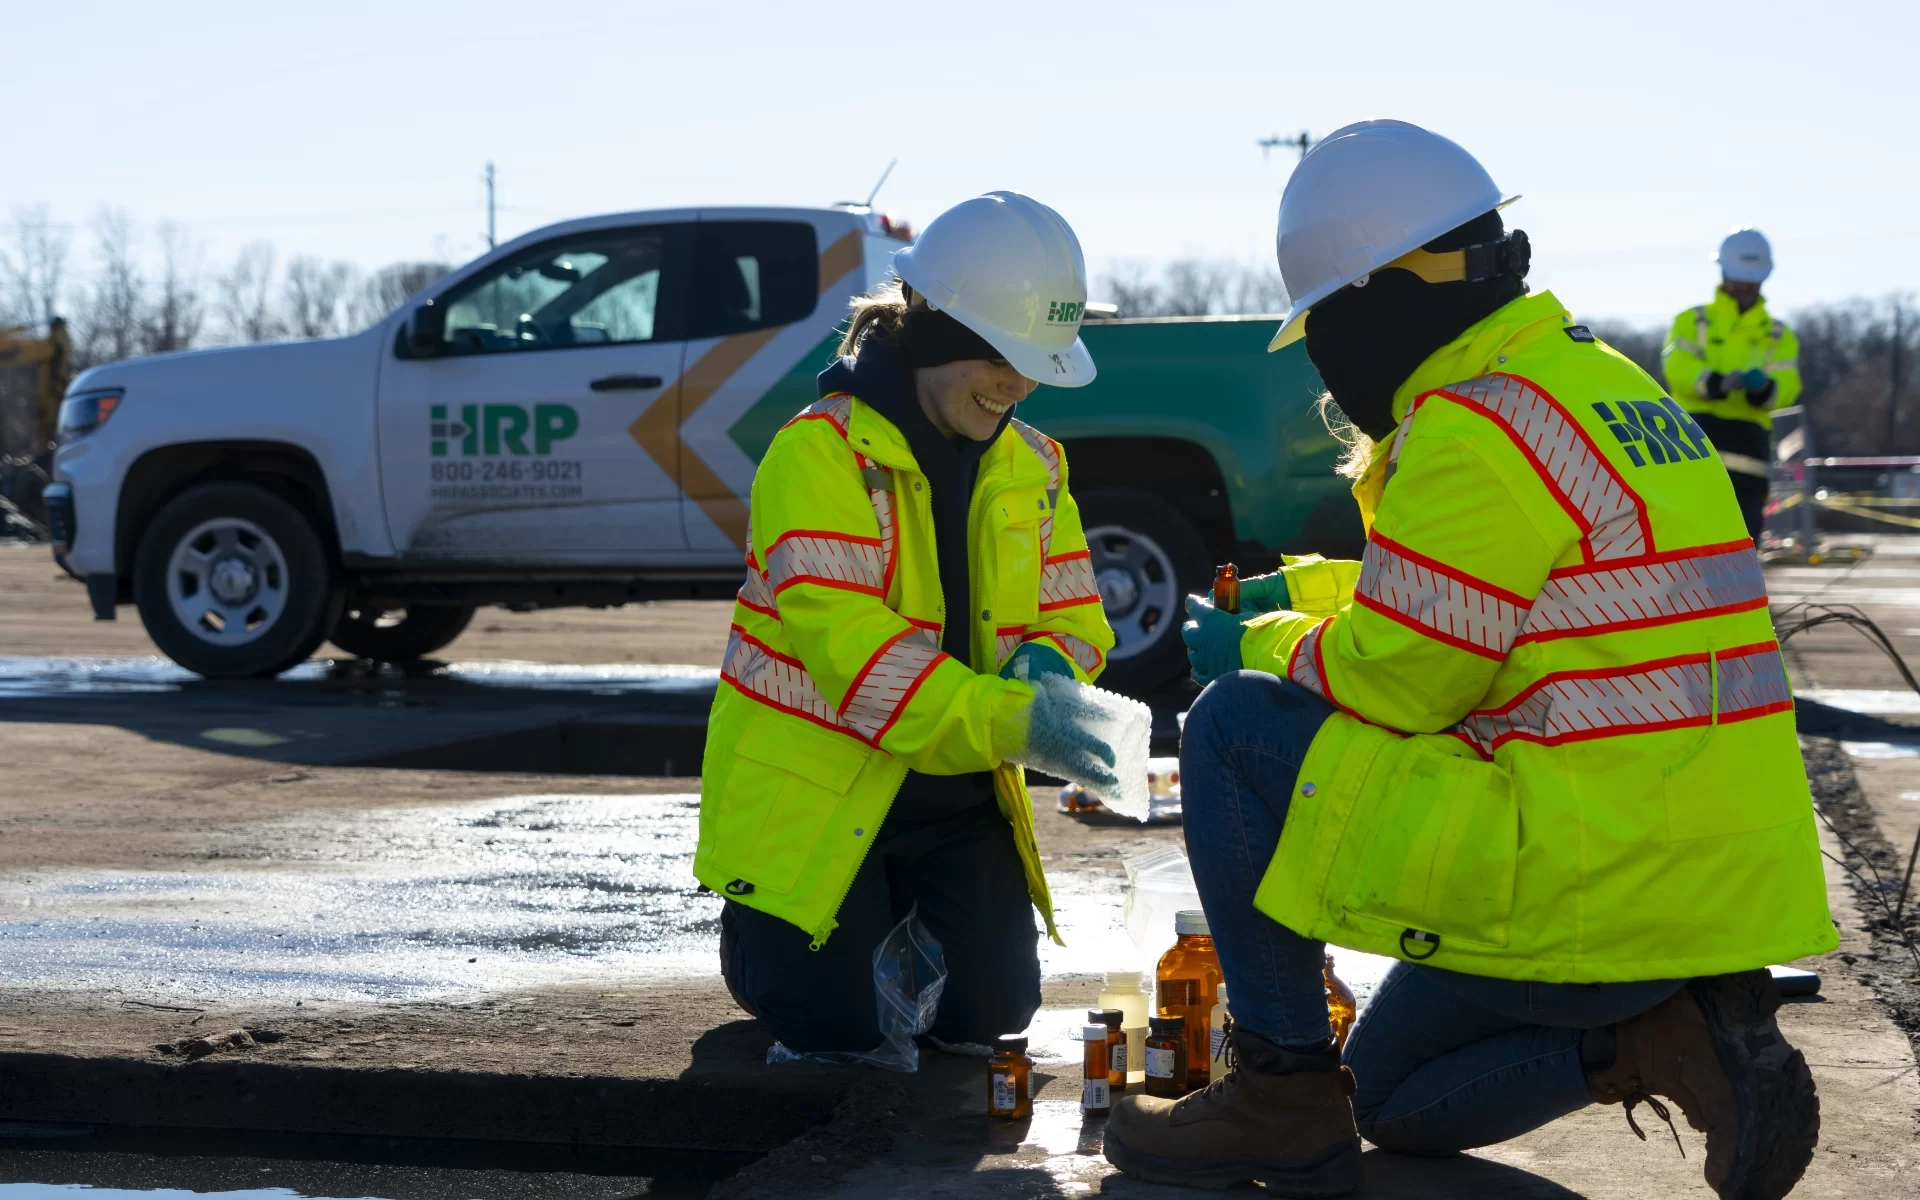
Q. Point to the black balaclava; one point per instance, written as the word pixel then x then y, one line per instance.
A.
pixel 1365 341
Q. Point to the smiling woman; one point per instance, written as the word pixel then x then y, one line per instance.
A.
pixel 915 566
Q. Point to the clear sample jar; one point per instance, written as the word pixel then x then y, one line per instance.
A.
pixel 1127 991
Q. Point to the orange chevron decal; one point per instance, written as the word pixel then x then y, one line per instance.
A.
pixel 657 428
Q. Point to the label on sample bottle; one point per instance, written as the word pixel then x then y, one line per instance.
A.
pixel 1093 1094
pixel 1003 1098
pixel 1160 1062
pixel 1117 1056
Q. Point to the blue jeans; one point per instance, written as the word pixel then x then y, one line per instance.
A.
pixel 1444 1061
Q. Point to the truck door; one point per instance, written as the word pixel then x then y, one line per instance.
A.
pixel 519 439
pixel 770 288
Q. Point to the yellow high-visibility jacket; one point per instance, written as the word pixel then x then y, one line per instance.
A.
pixel 834 685
pixel 1564 748
pixel 1719 337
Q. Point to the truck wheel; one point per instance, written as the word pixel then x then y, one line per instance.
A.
pixel 1146 559
pixel 400 634
pixel 232 581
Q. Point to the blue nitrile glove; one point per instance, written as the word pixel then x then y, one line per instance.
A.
pixel 1212 638
pixel 1264 594
pixel 1060 738
pixel 1034 661
pixel 1756 380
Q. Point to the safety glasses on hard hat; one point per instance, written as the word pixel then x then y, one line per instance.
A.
pixel 1509 254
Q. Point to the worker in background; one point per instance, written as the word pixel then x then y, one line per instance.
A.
pixel 1730 365
pixel 1537 744
pixel 914 558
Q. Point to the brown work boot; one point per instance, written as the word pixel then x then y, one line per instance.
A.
pixel 1713 1048
pixel 1280 1118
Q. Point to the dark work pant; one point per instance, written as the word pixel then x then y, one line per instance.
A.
pixel 1752 441
pixel 964 873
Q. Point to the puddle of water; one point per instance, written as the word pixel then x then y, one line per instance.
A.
pixel 1881 750
pixel 155 1165
pixel 27 676
pixel 1871 701
pixel 516 892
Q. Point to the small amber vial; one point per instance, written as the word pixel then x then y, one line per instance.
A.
pixel 1340 1006
pixel 1167 1057
pixel 1010 1079
pixel 1112 1019
pixel 1226 588
pixel 1096 1095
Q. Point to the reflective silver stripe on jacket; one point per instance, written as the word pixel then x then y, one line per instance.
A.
pixel 1068 580
pixel 1671 589
pixel 874 701
pixel 1574 706
pixel 773 679
pixel 834 560
pixel 1448 605
pixel 1566 461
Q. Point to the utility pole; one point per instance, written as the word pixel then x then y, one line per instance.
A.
pixel 1893 380
pixel 1303 143
pixel 489 179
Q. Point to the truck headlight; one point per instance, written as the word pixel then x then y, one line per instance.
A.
pixel 84 412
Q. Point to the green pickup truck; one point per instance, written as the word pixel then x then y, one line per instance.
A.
pixel 575 418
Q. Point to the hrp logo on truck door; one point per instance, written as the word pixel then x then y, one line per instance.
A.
pixel 502 428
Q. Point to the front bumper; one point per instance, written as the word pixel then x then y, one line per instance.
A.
pixel 61 530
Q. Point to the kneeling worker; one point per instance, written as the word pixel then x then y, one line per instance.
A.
pixel 1538 744
pixel 1730 365
pixel 914 555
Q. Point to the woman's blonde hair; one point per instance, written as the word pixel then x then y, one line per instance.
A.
pixel 1359 447
pixel 880 313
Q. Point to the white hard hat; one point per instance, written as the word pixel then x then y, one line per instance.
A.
pixel 1745 257
pixel 1009 268
pixel 1367 194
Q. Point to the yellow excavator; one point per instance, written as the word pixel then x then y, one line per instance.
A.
pixel 34 373
pixel 51 357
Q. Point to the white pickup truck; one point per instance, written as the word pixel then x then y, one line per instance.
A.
pixel 575 418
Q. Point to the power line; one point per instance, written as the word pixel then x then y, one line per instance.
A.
pixel 1302 143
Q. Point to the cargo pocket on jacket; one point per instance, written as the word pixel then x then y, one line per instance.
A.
pixel 1739 777
pixel 1446 838
pixel 782 794
pixel 1015 573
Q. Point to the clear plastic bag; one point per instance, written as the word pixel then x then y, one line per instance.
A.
pixel 1159 884
pixel 909 974
pixel 1124 724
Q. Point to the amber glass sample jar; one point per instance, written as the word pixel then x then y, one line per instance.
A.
pixel 1226 588
pixel 1117 1065
pixel 1340 1006
pixel 1167 1057
pixel 1189 984
pixel 1009 1079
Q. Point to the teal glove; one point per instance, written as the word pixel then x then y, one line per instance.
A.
pixel 1756 380
pixel 1033 661
pixel 1060 738
pixel 1264 594
pixel 1213 638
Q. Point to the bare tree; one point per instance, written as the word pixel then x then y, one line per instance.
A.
pixel 246 296
pixel 388 288
pixel 1192 287
pixel 33 274
pixel 179 311
pixel 116 305
pixel 312 296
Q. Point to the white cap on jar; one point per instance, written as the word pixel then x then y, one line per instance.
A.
pixel 1191 920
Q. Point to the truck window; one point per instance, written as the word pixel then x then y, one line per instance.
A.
pixel 592 289
pixel 751 275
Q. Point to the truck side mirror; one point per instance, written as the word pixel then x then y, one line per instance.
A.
pixel 425 329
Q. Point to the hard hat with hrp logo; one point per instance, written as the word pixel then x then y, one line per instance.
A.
pixel 1009 268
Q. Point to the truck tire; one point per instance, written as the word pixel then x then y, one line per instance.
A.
pixel 233 582
pixel 1146 559
pixel 400 634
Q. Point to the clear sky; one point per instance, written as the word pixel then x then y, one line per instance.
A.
pixel 1639 133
